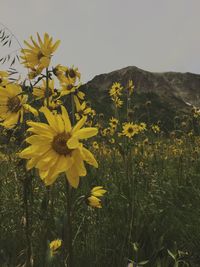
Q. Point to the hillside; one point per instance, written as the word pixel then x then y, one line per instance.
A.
pixel 170 93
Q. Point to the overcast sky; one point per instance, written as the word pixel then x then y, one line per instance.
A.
pixel 99 36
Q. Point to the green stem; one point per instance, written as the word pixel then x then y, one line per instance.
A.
pixel 27 223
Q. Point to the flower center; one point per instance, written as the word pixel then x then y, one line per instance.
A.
pixel 71 73
pixel 130 130
pixel 69 87
pixel 14 104
pixel 59 144
pixel 40 55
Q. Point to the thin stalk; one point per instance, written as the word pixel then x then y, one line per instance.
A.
pixel 68 237
pixel 47 87
pixel 27 223
pixel 68 240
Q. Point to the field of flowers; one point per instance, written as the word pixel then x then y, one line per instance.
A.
pixel 77 189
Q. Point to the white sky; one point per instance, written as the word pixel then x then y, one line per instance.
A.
pixel 99 36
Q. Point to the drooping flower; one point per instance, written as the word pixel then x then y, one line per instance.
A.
pixel 13 105
pixel 130 87
pixel 54 246
pixel 38 54
pixel 94 199
pixel 82 109
pixel 55 147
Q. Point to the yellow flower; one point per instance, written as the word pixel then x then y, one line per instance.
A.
pixel 67 89
pixel 3 78
pixel 95 145
pixel 130 129
pixel 155 128
pixel 55 147
pixel 130 87
pixel 55 245
pixel 94 200
pixel 69 75
pixel 117 101
pixel 113 122
pixel 82 109
pixel 13 105
pixel 116 89
pixel 58 72
pixel 40 92
pixel 38 55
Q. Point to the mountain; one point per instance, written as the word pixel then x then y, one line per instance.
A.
pixel 171 94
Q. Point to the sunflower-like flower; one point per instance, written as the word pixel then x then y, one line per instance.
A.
pixel 94 199
pixel 3 78
pixel 67 89
pixel 95 145
pixel 117 101
pixel 69 75
pixel 38 54
pixel 41 91
pixel 113 122
pixel 116 89
pixel 13 105
pixel 54 246
pixel 55 147
pixel 82 109
pixel 130 129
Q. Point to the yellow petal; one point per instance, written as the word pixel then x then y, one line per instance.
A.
pixel 86 133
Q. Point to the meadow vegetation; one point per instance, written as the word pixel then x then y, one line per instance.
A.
pixel 138 204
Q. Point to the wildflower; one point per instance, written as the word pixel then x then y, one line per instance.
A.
pixel 38 55
pixel 3 78
pixel 67 89
pixel 13 105
pixel 94 198
pixel 55 245
pixel 55 147
pixel 69 75
pixel 130 129
pixel 58 72
pixel 42 91
pixel 95 145
pixel 113 122
pixel 117 101
pixel 130 87
pixel 116 89
pixel 155 128
pixel 82 109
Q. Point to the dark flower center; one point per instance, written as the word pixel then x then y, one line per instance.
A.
pixel 40 55
pixel 14 104
pixel 71 73
pixel 69 87
pixel 130 130
pixel 59 144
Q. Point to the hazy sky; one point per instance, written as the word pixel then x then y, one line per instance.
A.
pixel 99 36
